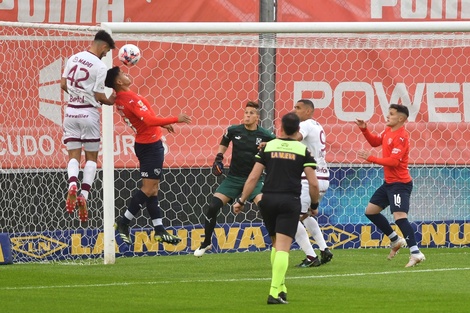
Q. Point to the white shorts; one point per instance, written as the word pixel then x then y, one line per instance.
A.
pixel 82 127
pixel 305 195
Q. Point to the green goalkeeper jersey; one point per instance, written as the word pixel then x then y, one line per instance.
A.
pixel 244 147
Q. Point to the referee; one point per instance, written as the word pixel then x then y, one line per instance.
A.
pixel 284 159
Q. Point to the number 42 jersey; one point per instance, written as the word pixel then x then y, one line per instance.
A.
pixel 85 74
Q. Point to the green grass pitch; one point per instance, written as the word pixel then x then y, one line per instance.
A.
pixel 356 280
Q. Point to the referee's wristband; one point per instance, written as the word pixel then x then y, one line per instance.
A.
pixel 239 201
pixel 314 206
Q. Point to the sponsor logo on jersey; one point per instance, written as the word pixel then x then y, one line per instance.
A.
pixel 80 99
pixel 142 106
pixel 283 155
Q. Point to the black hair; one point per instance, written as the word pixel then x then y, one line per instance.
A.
pixel 104 36
pixel 400 108
pixel 252 104
pixel 307 103
pixel 111 76
pixel 290 123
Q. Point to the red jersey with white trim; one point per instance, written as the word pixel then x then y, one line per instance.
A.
pixel 395 151
pixel 138 114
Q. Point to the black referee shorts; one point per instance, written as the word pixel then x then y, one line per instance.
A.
pixel 280 213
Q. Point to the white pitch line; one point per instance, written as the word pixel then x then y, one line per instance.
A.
pixel 231 280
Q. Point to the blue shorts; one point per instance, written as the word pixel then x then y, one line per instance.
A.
pixel 151 156
pixel 395 195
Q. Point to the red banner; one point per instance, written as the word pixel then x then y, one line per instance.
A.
pixel 97 11
pixel 349 84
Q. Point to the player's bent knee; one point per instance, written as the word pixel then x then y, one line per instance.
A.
pixel 214 207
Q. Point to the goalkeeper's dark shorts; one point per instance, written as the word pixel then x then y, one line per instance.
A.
pixel 232 187
pixel 280 212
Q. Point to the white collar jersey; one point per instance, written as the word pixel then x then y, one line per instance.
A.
pixel 314 138
pixel 85 74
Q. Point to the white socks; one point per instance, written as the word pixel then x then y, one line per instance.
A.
pixel 314 229
pixel 89 174
pixel 73 167
pixel 303 240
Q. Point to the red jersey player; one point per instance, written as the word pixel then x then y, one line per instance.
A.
pixel 138 114
pixel 396 190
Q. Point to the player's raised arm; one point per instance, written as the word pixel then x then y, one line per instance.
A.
pixel 360 123
pixel 184 118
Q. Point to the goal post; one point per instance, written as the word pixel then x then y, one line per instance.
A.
pixel 210 71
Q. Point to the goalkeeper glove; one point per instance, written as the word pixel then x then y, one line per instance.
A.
pixel 218 166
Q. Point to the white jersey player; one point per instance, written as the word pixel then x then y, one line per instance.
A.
pixel 84 74
pixel 83 79
pixel 311 134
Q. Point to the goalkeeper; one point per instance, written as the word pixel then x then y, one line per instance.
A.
pixel 245 139
pixel 138 113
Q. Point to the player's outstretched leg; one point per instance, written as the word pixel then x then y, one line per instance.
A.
pixel 71 201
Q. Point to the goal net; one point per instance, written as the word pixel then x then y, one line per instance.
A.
pixel 210 72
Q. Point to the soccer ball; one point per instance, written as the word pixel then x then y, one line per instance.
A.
pixel 129 54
